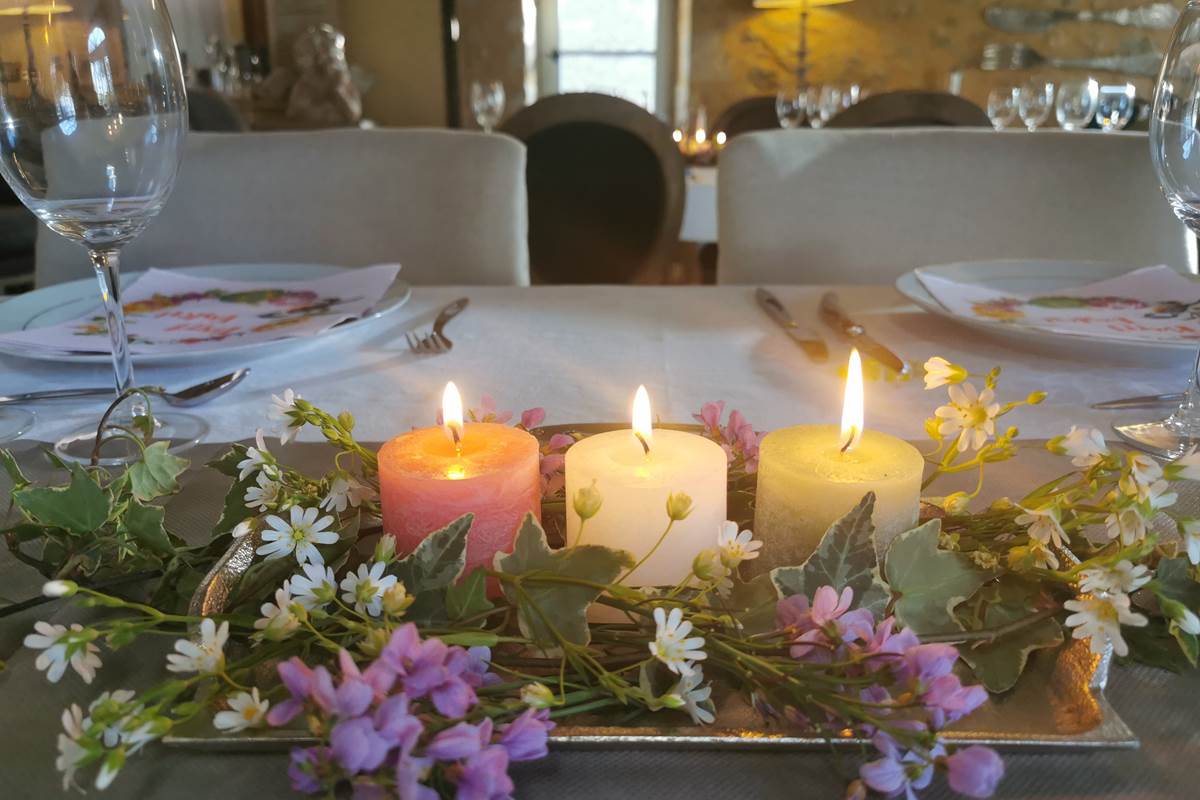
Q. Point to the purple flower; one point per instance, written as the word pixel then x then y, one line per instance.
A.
pixel 947 700
pixel 460 741
pixel 975 771
pixel 362 790
pixel 925 662
pixel 298 679
pixel 357 746
pixel 710 417
pixel 479 660
pixel 898 772
pixel 827 605
pixel 484 776
pixel 409 772
pixel 396 726
pixel 376 675
pixel 793 612
pixel 304 768
pixel 532 417
pixel 525 737
pixel 560 442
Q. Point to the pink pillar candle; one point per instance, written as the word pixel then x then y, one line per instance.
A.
pixel 425 484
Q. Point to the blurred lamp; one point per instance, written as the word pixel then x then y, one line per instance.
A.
pixel 804 7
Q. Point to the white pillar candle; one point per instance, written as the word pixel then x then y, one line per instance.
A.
pixel 634 481
pixel 809 476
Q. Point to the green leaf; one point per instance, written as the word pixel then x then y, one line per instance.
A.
pixel 145 524
pixel 25 532
pixel 998 664
pixel 844 558
pixel 471 639
pixel 929 582
pixel 1174 578
pixel 81 507
pixel 227 463
pixel 438 560
pixel 1188 643
pixel 468 598
pixel 156 474
pixel 755 602
pixel 1155 646
pixel 9 462
pixel 546 609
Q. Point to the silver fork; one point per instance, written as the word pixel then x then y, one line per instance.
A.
pixel 436 341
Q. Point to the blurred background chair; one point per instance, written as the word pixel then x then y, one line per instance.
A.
pixel 449 206
pixel 867 206
pixel 606 189
pixel 210 111
pixel 750 114
pixel 911 110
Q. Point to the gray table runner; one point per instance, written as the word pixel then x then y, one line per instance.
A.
pixel 1161 708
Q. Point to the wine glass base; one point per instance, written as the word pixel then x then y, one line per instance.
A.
pixel 183 431
pixel 15 422
pixel 1156 438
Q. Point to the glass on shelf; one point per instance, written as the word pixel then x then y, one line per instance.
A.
pixel 1077 102
pixel 1116 106
pixel 487 103
pixel 1002 106
pixel 791 108
pixel 1035 102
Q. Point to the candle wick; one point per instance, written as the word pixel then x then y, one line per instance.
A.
pixel 454 434
pixel 645 444
pixel 850 440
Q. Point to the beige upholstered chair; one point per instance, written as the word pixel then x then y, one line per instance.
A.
pixel 865 206
pixel 449 206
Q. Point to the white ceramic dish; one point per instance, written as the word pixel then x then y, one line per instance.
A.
pixel 65 301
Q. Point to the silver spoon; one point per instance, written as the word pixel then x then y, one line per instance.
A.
pixel 191 396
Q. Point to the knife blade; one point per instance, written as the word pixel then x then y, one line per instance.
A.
pixel 812 344
pixel 1140 402
pixel 832 315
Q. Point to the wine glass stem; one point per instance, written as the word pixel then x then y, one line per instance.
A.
pixel 1185 421
pixel 108 268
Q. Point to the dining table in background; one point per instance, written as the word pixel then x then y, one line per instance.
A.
pixel 700 205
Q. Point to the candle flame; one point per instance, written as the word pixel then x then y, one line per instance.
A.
pixel 852 406
pixel 721 138
pixel 701 135
pixel 641 418
pixel 452 415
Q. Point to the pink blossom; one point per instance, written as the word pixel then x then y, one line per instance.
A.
pixel 710 417
pixel 532 417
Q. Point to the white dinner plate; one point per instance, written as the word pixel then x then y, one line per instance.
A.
pixel 54 304
pixel 1034 277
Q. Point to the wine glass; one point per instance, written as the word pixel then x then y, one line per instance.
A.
pixel 1035 101
pixel 95 115
pixel 1116 107
pixel 487 103
pixel 829 103
pixel 791 108
pixel 1077 103
pixel 1175 150
pixel 1002 107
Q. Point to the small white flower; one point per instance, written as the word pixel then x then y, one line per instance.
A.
pixel 345 492
pixel 246 710
pixel 971 414
pixel 1187 621
pixel 1044 525
pixel 206 656
pixel 736 547
pixel 365 588
pixel 1099 618
pixel 109 768
pixel 257 458
pixel 1126 524
pixel 671 645
pixel 1085 446
pixel 277 621
pixel 1158 498
pixel 538 695
pixel 316 587
pixel 263 496
pixel 1043 556
pixel 693 695
pixel 939 372
pixel 1186 466
pixel 71 754
pixel 1189 529
pixel 115 733
pixel 242 528
pixel 1142 473
pixel 301 536
pixel 1125 577
pixel 59 588
pixel 279 411
pixel 62 647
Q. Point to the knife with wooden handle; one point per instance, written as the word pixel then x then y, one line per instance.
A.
pixel 832 315
pixel 812 344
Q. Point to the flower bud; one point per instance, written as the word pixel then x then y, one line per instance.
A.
pixel 374 641
pixel 587 501
pixel 59 588
pixel 243 528
pixel 1180 615
pixel 857 790
pixel 956 503
pixel 1035 398
pixel 538 695
pixel 1003 504
pixel 385 549
pixel 672 700
pixel 396 600
pixel 707 565
pixel 679 506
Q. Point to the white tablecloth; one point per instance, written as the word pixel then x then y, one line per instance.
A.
pixel 700 206
pixel 581 351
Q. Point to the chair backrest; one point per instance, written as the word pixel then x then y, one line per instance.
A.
pixel 209 111
pixel 911 109
pixel 750 114
pixel 867 206
pixel 449 206
pixel 605 185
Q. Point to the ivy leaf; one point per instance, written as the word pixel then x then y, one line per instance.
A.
pixel 80 507
pixel 544 608
pixel 1174 577
pixel 845 557
pixel 227 462
pixel 929 582
pixel 998 664
pixel 145 524
pixel 9 462
pixel 235 509
pixel 438 560
pixel 1189 643
pixel 755 601
pixel 156 474
pixel 1155 646
pixel 471 639
pixel 468 598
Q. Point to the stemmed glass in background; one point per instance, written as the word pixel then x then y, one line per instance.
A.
pixel 1116 107
pixel 791 108
pixel 1002 107
pixel 1077 103
pixel 1175 150
pixel 94 125
pixel 1035 101
pixel 487 103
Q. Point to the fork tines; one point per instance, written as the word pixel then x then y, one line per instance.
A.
pixel 427 342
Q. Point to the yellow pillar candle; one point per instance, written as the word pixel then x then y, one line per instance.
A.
pixel 809 476
pixel 634 471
